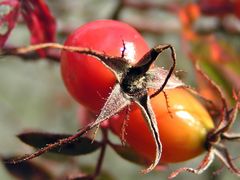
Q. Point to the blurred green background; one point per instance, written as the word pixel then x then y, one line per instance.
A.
pixel 32 95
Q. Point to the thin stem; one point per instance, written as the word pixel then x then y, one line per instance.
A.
pixel 113 63
pixel 49 147
pixel 28 49
pixel 53 56
pixel 102 153
pixel 171 7
pixel 98 168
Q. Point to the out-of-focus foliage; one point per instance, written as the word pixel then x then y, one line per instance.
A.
pixel 9 14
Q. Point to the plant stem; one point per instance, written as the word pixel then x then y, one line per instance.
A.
pixel 102 153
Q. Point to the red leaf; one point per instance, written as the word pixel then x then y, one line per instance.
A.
pixel 237 9
pixel 40 22
pixel 216 7
pixel 7 18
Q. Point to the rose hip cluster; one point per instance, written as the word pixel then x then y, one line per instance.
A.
pixel 152 111
pixel 108 68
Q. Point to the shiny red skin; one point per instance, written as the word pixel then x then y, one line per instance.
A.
pixel 183 133
pixel 87 80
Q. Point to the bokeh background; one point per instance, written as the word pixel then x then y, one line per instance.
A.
pixel 32 95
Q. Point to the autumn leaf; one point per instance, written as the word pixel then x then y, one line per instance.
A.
pixel 216 7
pixel 40 22
pixel 9 10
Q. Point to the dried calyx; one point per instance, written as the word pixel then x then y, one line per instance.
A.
pixel 132 85
pixel 215 140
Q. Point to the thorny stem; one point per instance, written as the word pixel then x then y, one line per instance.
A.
pixel 69 140
pixel 23 50
pixel 108 61
pixel 49 147
pixel 52 56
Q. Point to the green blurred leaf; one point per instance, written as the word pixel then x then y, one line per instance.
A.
pixel 212 71
pixel 82 145
pixel 220 61
pixel 217 76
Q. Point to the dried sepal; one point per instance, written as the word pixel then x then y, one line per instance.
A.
pixel 132 88
pixel 205 163
pixel 231 136
pixel 159 49
pixel 219 151
pixel 215 140
pixel 156 77
pixel 215 94
pixel 114 104
pixel 116 101
pixel 222 153
pixel 227 120
pixel 149 115
pixel 150 57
